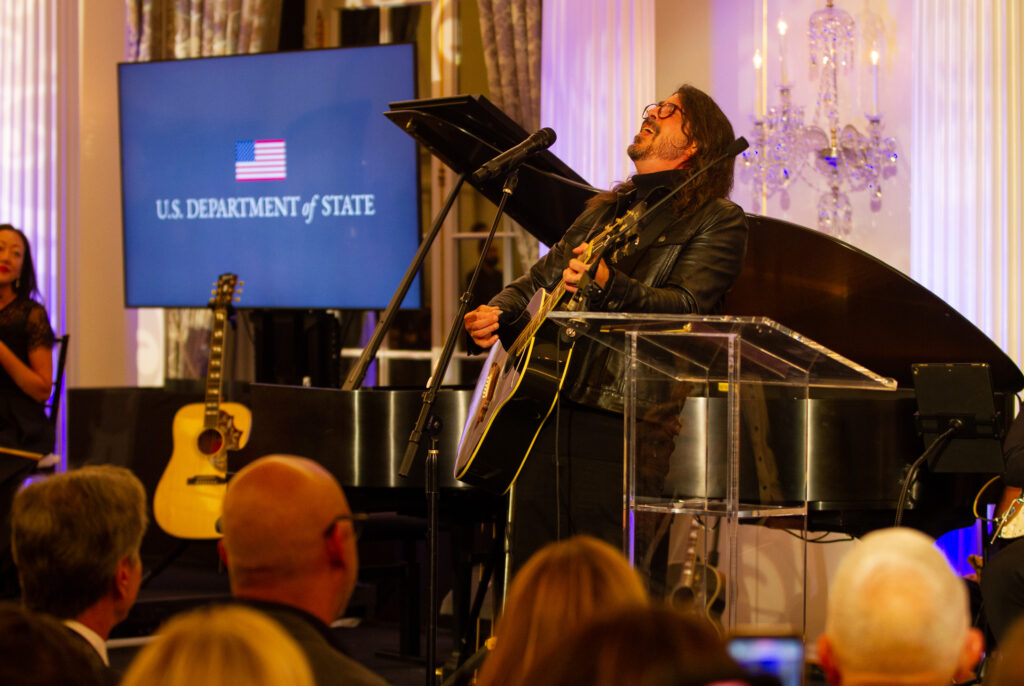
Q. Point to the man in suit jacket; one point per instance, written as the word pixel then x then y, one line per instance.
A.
pixel 75 539
pixel 290 548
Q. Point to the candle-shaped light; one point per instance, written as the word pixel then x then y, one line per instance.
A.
pixel 874 76
pixel 783 27
pixel 760 90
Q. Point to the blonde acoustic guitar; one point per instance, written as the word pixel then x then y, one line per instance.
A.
pixel 191 490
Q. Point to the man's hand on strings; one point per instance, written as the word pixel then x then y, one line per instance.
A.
pixel 577 268
pixel 482 325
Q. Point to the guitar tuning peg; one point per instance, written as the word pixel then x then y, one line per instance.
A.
pixel 241 283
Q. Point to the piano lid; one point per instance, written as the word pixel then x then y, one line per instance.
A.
pixel 464 131
pixel 856 305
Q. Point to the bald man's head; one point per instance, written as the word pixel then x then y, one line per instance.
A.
pixel 896 608
pixel 280 529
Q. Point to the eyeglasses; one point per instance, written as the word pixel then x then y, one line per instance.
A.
pixel 358 519
pixel 662 110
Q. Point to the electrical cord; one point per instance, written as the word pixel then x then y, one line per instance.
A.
pixel 939 443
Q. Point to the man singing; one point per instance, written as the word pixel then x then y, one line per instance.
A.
pixel 692 250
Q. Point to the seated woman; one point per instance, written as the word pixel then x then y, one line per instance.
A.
pixel 563 585
pixel 227 644
pixel 26 339
pixel 26 376
pixel 651 646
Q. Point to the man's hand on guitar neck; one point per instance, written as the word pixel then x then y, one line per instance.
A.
pixel 577 268
pixel 482 325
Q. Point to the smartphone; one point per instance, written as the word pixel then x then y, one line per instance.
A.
pixel 781 656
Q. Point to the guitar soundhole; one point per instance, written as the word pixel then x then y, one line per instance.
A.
pixel 210 442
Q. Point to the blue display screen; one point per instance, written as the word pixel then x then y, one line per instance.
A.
pixel 280 168
pixel 779 656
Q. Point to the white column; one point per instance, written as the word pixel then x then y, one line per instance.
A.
pixel 967 154
pixel 597 73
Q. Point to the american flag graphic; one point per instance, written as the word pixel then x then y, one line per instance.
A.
pixel 260 160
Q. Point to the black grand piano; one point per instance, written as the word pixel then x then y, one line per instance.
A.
pixel 863 442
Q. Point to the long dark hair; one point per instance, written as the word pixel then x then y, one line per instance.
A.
pixel 25 286
pixel 707 125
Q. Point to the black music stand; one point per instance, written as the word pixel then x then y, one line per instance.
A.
pixel 959 395
pixel 465 131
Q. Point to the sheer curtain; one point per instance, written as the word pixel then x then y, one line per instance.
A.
pixel 31 160
pixel 597 75
pixel 37 42
pixel 511 34
pixel 967 153
pixel 177 29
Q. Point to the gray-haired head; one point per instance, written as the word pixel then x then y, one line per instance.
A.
pixel 895 607
pixel 70 531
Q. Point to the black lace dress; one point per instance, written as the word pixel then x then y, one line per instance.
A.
pixel 24 326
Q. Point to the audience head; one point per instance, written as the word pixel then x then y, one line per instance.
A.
pixel 289 536
pixel 220 645
pixel 645 646
pixel 563 585
pixel 75 539
pixel 36 650
pixel 896 611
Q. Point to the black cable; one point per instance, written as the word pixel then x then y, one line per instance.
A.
pixel 821 538
pixel 939 443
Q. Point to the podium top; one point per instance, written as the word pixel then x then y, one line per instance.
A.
pixel 722 349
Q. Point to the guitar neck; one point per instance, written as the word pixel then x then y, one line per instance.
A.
pixel 214 374
pixel 690 558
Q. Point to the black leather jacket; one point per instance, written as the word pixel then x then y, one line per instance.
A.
pixel 687 269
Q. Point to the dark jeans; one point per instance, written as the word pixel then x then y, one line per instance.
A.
pixel 572 482
pixel 1002 588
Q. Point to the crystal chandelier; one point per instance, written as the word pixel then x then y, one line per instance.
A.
pixel 838 157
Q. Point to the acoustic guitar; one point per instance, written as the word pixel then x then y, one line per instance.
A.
pixel 700 585
pixel 191 490
pixel 519 385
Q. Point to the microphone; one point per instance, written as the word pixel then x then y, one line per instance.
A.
pixel 515 156
pixel 736 147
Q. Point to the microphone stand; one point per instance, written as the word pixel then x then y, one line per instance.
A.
pixel 432 424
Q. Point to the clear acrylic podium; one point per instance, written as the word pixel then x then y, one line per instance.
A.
pixel 715 431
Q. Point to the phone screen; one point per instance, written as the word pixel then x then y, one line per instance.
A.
pixel 779 656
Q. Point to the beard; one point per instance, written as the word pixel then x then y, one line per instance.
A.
pixel 658 147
